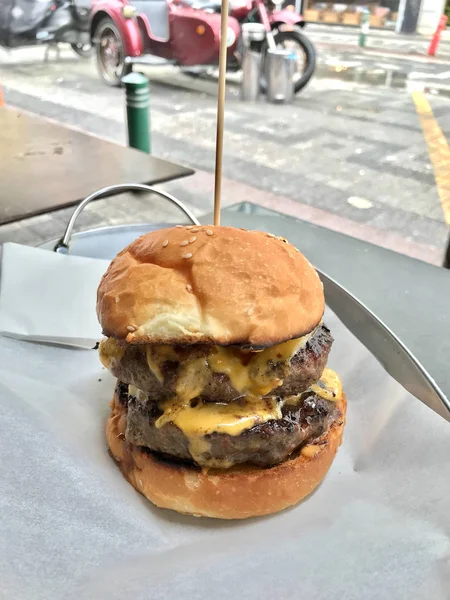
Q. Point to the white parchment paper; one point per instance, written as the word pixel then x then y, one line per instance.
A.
pixel 72 528
pixel 49 297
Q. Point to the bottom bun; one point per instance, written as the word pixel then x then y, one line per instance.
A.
pixel 236 493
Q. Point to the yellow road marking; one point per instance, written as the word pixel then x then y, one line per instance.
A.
pixel 438 150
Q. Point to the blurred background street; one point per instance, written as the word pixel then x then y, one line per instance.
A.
pixel 349 153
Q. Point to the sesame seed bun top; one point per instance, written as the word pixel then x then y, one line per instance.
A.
pixel 205 284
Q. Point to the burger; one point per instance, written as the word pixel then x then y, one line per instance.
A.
pixel 223 406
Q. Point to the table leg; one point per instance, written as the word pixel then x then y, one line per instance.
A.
pixel 446 264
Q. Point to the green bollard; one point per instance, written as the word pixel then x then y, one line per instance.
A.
pixel 365 24
pixel 137 89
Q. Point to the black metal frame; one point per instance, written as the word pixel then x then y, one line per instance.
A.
pixel 446 264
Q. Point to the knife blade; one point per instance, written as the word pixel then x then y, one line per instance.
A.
pixel 387 348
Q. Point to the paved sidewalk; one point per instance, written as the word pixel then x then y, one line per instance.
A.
pixel 379 40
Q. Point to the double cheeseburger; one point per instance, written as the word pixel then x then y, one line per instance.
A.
pixel 223 406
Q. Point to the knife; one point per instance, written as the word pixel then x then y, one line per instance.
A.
pixel 390 352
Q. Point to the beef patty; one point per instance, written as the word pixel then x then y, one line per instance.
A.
pixel 265 444
pixel 304 369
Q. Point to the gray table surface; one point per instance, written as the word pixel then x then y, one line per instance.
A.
pixel 410 296
pixel 45 166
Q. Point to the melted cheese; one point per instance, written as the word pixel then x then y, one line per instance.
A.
pixel 250 373
pixel 329 386
pixel 192 378
pixel 233 418
pixel 110 353
pixel 256 377
pixel 310 450
pixel 205 418
pixel 200 447
pixel 223 361
pixel 157 356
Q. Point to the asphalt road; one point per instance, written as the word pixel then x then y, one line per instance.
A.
pixel 349 153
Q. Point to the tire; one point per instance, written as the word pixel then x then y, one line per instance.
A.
pixel 299 39
pixel 109 39
pixel 83 50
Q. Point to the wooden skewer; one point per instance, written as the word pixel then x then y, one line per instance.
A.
pixel 220 109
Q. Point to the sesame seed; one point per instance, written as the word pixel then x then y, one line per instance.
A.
pixel 165 242
pixel 195 229
pixel 180 226
pixel 189 288
pixel 209 232
pixel 192 240
pixel 187 255
pixel 185 243
pixel 189 227
pixel 271 235
pixel 250 311
pixel 131 328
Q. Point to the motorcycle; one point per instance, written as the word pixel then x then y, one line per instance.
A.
pixel 126 34
pixel 283 29
pixel 32 22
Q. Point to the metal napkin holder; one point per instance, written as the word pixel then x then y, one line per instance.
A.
pixel 62 245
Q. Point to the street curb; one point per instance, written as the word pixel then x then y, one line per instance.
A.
pixel 356 50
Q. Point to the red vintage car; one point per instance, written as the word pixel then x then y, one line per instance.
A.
pixel 125 34
pixel 187 33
